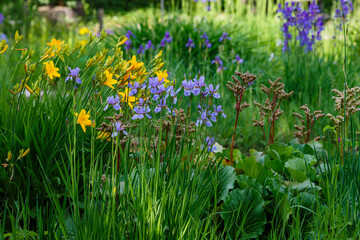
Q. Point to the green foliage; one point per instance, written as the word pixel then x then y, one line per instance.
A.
pixel 243 213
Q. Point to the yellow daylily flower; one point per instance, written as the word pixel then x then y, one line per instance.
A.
pixel 54 43
pixel 4 49
pixel 125 98
pixel 84 30
pixel 134 63
pixel 123 41
pixel 9 156
pixel 23 154
pixel 51 70
pixel 162 75
pixel 83 119
pixel 103 135
pixel 109 80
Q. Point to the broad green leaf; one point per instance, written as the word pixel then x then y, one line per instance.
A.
pixel 297 169
pixel 243 213
pixel 254 169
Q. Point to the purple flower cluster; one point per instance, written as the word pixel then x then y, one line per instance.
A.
pixel 190 43
pixel 167 39
pixel 238 59
pixel 344 9
pixel 2 18
pixel 224 36
pixel 207 42
pixel 128 42
pixel 149 45
pixel 307 24
pixel 219 63
pixel 3 36
pixel 207 116
pixel 209 143
pixel 74 75
pixel 119 127
pixel 114 101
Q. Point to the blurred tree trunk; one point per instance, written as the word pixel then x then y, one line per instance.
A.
pixel 100 17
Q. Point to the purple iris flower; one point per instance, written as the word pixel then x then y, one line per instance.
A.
pixel 134 88
pixel 1 18
pixel 209 142
pixel 204 36
pixel 161 105
pixel 198 84
pixel 217 60
pixel 109 32
pixel 166 39
pixel 154 82
pixel 224 37
pixel 114 101
pixel 188 87
pixel 172 93
pixel 203 119
pixel 128 42
pixel 141 111
pixel 158 91
pixel 238 60
pixel 149 45
pixel 218 110
pixel 119 127
pixel 74 74
pixel 210 90
pixel 344 9
pixel 190 43
pixel 141 50
pixel 207 43
pixel 3 36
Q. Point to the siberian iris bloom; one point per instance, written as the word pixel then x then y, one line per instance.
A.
pixel 188 87
pixel 170 91
pixel 161 105
pixel 343 10
pixel 109 80
pixel 167 38
pixel 74 74
pixel 190 43
pixel 1 18
pixel 119 127
pixel 207 43
pixel 114 101
pixel 203 119
pixel 162 75
pixel 198 84
pixel 135 87
pixel 141 111
pixel 238 60
pixel 218 110
pixel 141 50
pixel 217 60
pixel 3 37
pixel 149 45
pixel 210 90
pixel 51 70
pixel 83 119
pixel 209 142
pixel 224 37
pixel 128 42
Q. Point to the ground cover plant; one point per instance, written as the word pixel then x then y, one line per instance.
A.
pixel 188 120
